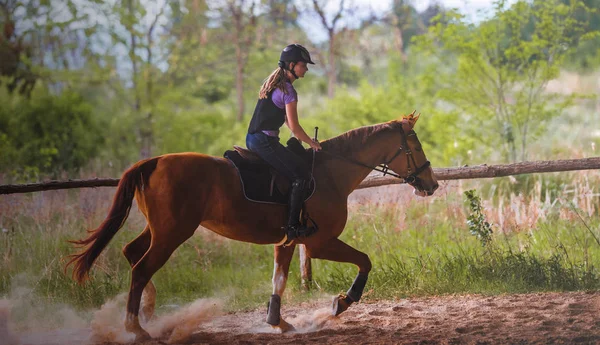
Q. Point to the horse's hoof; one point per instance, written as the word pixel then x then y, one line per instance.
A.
pixel 132 325
pixel 142 336
pixel 284 326
pixel 340 305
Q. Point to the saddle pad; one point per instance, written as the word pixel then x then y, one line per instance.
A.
pixel 256 180
pixel 257 176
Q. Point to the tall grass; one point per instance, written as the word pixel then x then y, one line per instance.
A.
pixel 545 237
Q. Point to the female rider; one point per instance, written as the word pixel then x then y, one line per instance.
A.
pixel 278 104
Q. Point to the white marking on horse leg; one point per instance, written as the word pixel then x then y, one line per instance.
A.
pixel 148 301
pixel 279 280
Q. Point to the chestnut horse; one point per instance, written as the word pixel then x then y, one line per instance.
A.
pixel 178 192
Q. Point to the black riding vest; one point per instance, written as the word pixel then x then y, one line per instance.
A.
pixel 267 116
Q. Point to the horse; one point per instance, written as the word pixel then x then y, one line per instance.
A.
pixel 178 192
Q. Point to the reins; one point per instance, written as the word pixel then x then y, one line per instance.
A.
pixel 384 167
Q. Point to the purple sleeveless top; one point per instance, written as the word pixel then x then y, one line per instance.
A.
pixel 281 99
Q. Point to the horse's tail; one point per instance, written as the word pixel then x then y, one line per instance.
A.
pixel 133 179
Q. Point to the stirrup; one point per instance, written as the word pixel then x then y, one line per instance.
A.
pixel 296 231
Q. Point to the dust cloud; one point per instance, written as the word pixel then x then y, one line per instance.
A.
pixel 107 323
pixel 312 322
pixel 7 336
pixel 180 324
pixel 25 320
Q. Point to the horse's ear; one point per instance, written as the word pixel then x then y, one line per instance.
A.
pixel 416 118
pixel 411 119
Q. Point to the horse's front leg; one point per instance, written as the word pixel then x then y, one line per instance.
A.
pixel 283 257
pixel 336 250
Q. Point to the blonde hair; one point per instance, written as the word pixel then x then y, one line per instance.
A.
pixel 277 79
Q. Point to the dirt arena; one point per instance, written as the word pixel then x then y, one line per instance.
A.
pixel 544 318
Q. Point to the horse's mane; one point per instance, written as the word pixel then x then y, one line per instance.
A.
pixel 354 139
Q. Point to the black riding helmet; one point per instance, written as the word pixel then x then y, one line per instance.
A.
pixel 295 53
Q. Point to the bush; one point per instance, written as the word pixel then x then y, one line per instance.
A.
pixel 46 133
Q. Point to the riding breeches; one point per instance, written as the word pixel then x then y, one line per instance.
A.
pixel 273 152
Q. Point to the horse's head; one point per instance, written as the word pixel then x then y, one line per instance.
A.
pixel 409 160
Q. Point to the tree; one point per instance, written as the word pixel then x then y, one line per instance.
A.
pixel 133 27
pixel 334 32
pixel 143 35
pixel 14 52
pixel 406 23
pixel 587 54
pixel 495 73
pixel 241 19
pixel 197 59
pixel 432 11
pixel 280 15
pixel 38 41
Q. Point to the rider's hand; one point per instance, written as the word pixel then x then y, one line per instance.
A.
pixel 315 145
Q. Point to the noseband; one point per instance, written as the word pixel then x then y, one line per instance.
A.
pixel 411 178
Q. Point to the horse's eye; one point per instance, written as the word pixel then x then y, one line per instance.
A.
pixel 418 148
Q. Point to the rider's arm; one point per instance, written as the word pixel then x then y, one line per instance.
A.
pixel 291 110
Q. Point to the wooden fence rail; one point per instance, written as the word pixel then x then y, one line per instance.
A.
pixel 479 171
pixel 491 171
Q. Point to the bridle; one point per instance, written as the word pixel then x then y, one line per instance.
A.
pixel 411 178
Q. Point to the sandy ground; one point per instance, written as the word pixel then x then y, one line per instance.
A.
pixel 544 318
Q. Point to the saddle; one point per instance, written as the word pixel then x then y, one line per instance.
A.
pixel 262 183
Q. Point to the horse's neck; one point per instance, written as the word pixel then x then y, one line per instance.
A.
pixel 344 175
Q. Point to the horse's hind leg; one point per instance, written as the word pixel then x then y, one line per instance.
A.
pixel 159 252
pixel 283 257
pixel 134 251
pixel 336 250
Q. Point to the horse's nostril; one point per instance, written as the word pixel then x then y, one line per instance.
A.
pixel 433 189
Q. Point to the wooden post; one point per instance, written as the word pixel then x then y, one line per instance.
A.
pixel 305 268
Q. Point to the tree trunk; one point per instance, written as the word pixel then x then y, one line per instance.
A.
pixel 399 43
pixel 331 77
pixel 239 82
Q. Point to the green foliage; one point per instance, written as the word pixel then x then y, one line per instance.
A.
pixel 371 104
pixel 480 86
pixel 190 124
pixel 586 56
pixel 46 133
pixel 495 73
pixel 478 225
pixel 407 20
pixel 349 75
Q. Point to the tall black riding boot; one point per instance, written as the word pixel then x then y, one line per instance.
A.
pixel 294 229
